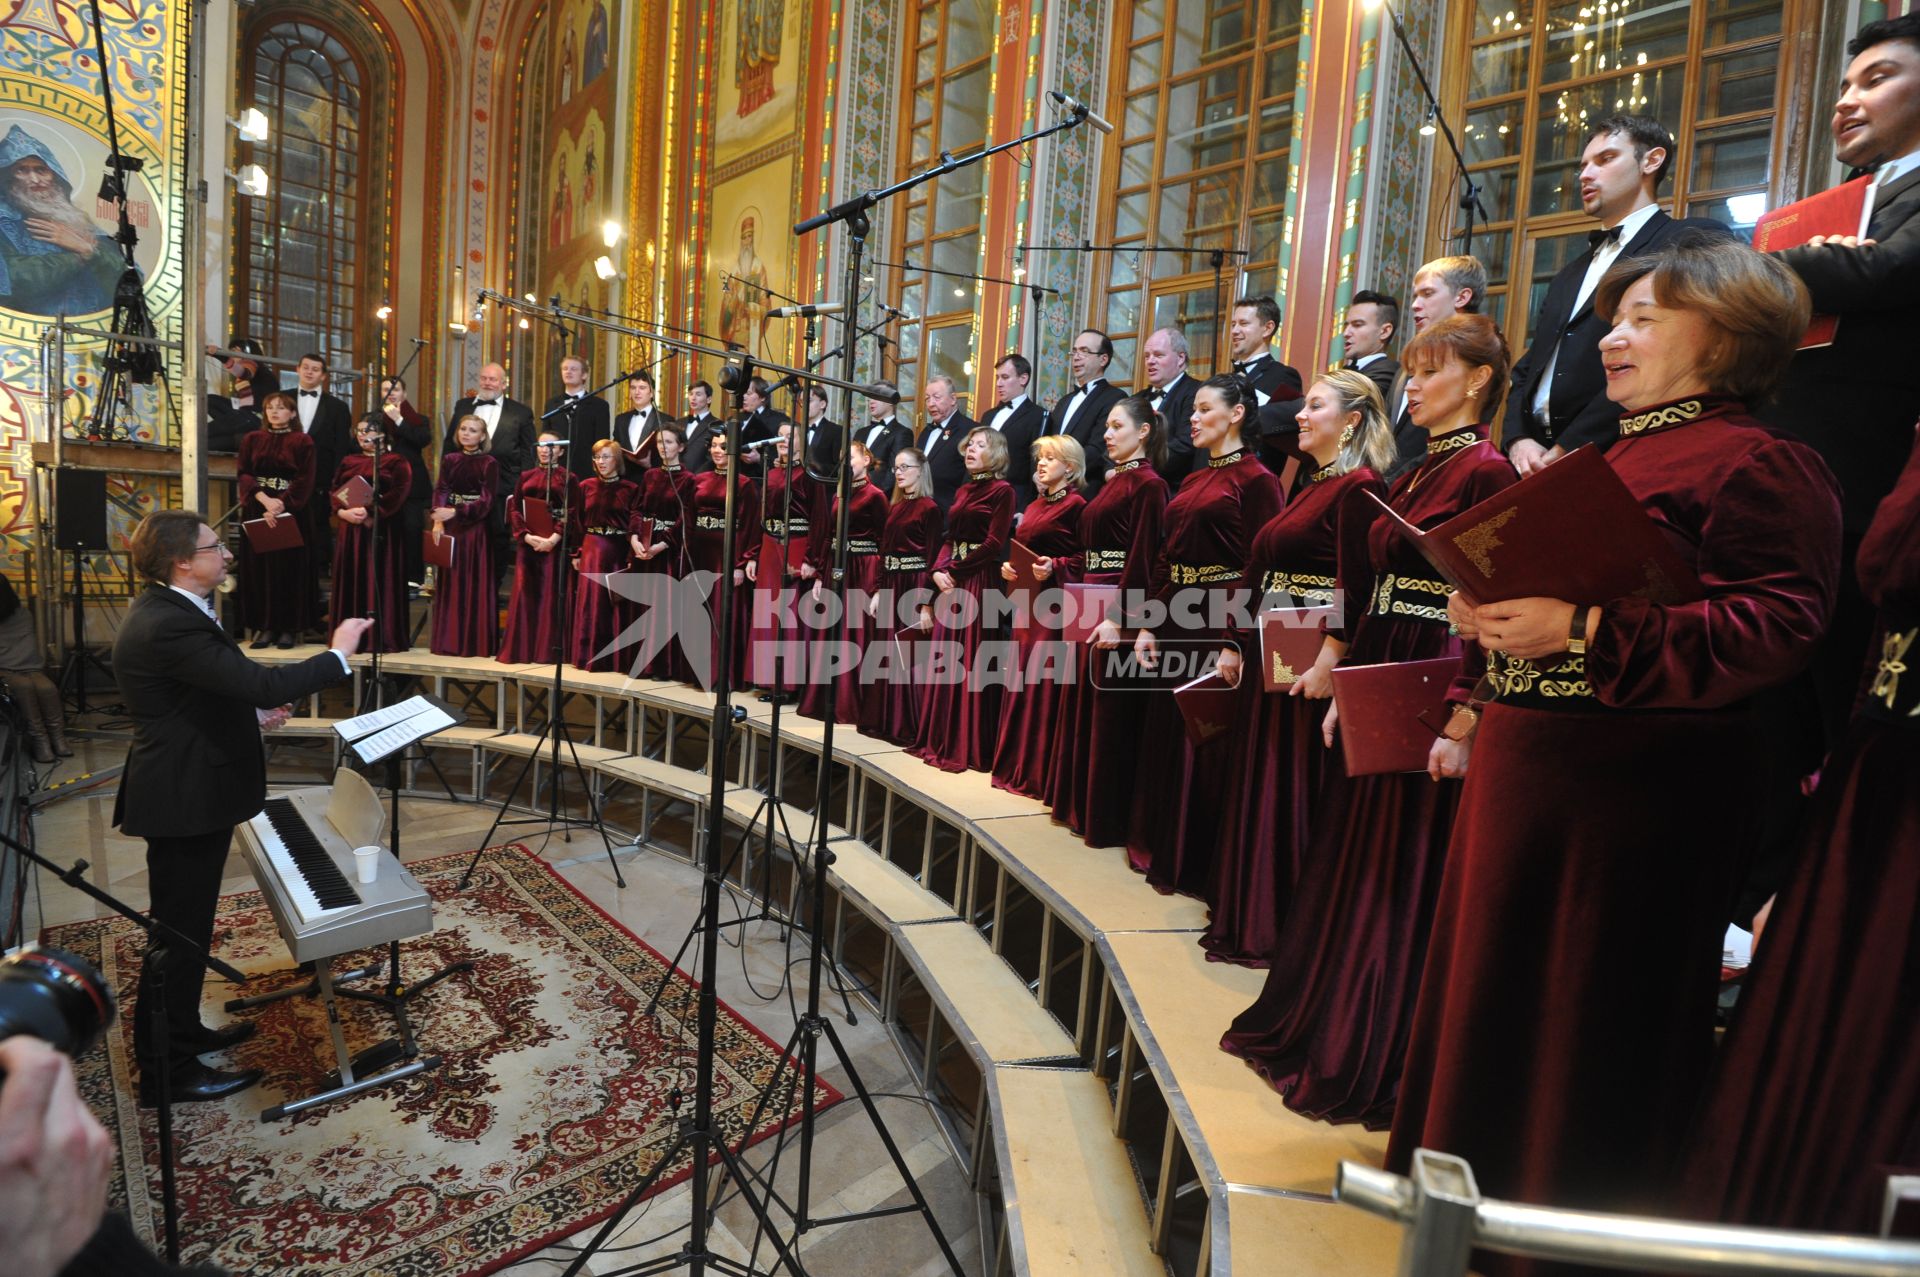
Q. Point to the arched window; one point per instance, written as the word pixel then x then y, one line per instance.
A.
pixel 300 258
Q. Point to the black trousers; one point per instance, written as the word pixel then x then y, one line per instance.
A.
pixel 184 885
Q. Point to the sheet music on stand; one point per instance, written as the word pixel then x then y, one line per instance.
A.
pixel 373 736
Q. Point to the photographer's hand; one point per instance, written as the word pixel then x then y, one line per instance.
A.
pixel 55 1160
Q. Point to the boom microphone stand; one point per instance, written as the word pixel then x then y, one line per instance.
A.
pixel 1469 191
pixel 1037 292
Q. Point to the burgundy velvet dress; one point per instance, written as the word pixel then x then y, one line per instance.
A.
pixel 866 526
pixel 600 615
pixel 532 636
pixel 892 707
pixel 279 590
pixel 359 569
pixel 466 604
pixel 1097 746
pixel 1177 790
pixel 706 541
pixel 1815 1098
pixel 1330 1028
pixel 1030 710
pixel 1318 543
pixel 798 507
pixel 1565 1020
pixel 960 720
pixel 663 507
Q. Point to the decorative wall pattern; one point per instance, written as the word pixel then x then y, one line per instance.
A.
pixel 1066 213
pixel 865 128
pixel 1397 230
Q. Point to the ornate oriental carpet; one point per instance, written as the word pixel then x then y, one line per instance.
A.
pixel 550 1103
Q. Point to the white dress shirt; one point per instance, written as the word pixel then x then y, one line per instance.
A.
pixel 1001 416
pixel 1604 256
pixel 306 403
pixel 1079 396
pixel 490 414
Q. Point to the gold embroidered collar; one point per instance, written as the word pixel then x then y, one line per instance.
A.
pixel 1449 442
pixel 1233 458
pixel 1125 466
pixel 1664 418
pixel 1324 473
pixel 1058 494
pixel 985 476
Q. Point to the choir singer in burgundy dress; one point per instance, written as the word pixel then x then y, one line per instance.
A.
pixel 360 566
pixel 1815 1097
pixel 600 614
pixel 866 525
pixel 1330 1029
pixel 961 714
pixel 707 541
pixel 793 521
pixel 1097 744
pixel 1177 789
pixel 662 511
pixel 1050 527
pixel 541 568
pixel 1565 1020
pixel 1312 554
pixel 901 612
pixel 466 606
pixel 279 590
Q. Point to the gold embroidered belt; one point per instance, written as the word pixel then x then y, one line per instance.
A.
pixel 777 528
pixel 1894 696
pixel 905 563
pixel 608 532
pixel 1301 585
pixel 273 483
pixel 1201 573
pixel 961 549
pixel 462 498
pixel 1106 560
pixel 1411 596
pixel 710 522
pixel 1553 684
pixel 860 545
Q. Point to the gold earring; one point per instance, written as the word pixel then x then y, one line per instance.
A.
pixel 1473 392
pixel 1346 436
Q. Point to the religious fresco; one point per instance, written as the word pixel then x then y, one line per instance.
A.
pixel 575 200
pixel 56 251
pixel 757 78
pixel 749 250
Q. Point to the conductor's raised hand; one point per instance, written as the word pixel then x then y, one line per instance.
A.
pixel 348 634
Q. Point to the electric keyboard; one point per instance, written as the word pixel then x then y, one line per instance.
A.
pixel 305 869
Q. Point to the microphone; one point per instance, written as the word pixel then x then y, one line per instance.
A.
pixel 1080 109
pixel 899 314
pixel 418 341
pixel 806 312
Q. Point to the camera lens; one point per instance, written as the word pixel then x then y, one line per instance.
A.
pixel 56 996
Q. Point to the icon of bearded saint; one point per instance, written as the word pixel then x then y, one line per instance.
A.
pixel 53 259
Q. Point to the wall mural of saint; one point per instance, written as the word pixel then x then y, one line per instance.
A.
pixel 758 52
pixel 743 310
pixel 54 258
pixel 594 53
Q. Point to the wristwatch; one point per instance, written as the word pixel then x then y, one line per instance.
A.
pixel 1577 632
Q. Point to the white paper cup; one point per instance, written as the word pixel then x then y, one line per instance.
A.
pixel 366 862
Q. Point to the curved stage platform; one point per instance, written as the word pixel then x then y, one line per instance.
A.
pixel 1061 1011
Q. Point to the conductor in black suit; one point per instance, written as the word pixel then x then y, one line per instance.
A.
pixel 1559 398
pixel 940 439
pixel 195 770
pixel 1082 411
pixel 1170 389
pixel 328 421
pixel 582 419
pixel 884 434
pixel 510 438
pixel 1019 421
pixel 701 427
pixel 1372 320
pixel 642 417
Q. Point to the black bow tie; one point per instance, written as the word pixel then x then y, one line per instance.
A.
pixel 1596 238
pixel 1352 365
pixel 1002 406
pixel 485 403
pixel 309 394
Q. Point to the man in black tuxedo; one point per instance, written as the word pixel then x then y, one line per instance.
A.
pixel 249 382
pixel 1277 386
pixel 760 423
pixel 1170 389
pixel 329 423
pixel 510 438
pixel 884 434
pixel 1444 287
pixel 1559 397
pixel 642 417
pixel 822 448
pixel 1019 421
pixel 412 436
pixel 701 426
pixel 1082 411
pixel 941 438
pixel 196 769
pixel 1372 320
pixel 582 419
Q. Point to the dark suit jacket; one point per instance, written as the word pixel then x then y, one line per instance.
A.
pixel 590 421
pixel 411 437
pixel 1176 409
pixel 945 467
pixel 1020 430
pixel 625 433
pixel 1089 426
pixel 893 438
pixel 332 435
pixel 1275 437
pixel 1272 378
pixel 1409 440
pixel 700 433
pixel 823 451
pixel 1384 372
pixel 1855 401
pixel 512 446
pixel 197 763
pixel 1578 409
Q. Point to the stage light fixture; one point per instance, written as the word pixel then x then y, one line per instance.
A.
pixel 610 232
pixel 252 179
pixel 603 267
pixel 252 124
pixel 525 322
pixel 1428 129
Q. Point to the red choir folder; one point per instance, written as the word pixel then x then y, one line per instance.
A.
pixel 538 516
pixel 1087 606
pixel 770 554
pixel 643 530
pixel 265 538
pixel 1831 212
pixel 1380 708
pixel 1022 558
pixel 646 451
pixel 438 553
pixel 1571 531
pixel 1290 639
pixel 355 494
pixel 1209 707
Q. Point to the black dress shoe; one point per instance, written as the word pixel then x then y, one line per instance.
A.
pixel 203 1039
pixel 196 1083
pixel 285 642
pixel 260 640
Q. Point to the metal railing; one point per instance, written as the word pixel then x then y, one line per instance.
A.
pixel 1446 1219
